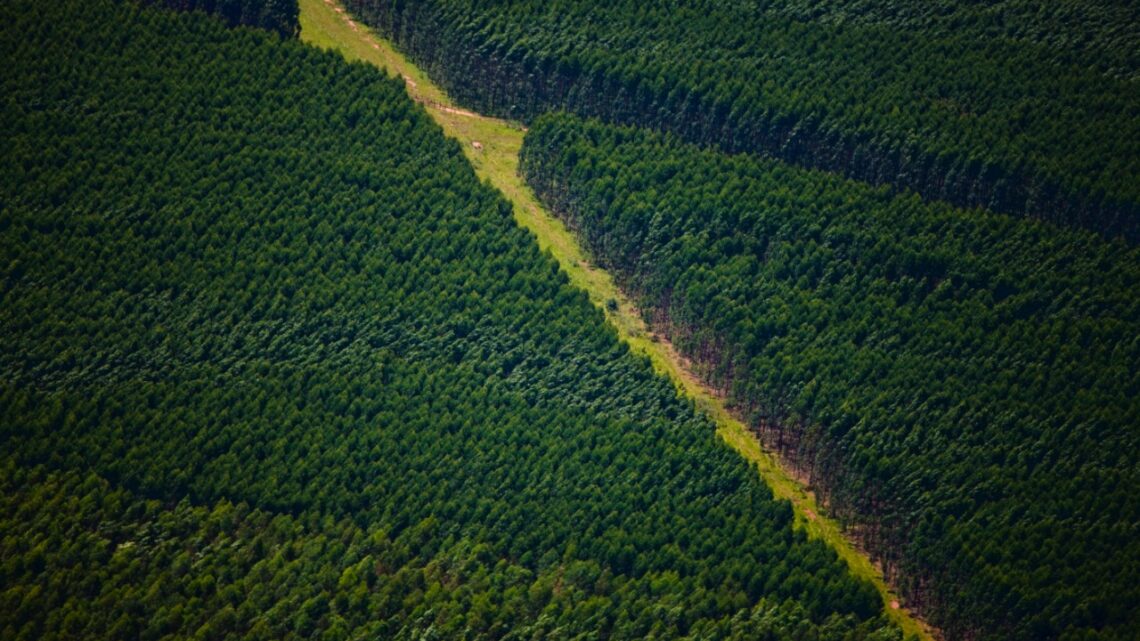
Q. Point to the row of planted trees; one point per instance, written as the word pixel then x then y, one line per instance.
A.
pixel 274 364
pixel 282 17
pixel 958 386
pixel 959 115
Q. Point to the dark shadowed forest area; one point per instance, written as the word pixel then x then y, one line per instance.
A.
pixel 1015 106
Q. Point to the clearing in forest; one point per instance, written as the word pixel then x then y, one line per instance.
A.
pixel 495 159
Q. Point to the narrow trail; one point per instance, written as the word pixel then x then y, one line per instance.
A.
pixel 492 146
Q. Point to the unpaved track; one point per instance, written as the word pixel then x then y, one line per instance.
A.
pixel 495 158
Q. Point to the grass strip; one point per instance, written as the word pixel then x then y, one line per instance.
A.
pixel 492 146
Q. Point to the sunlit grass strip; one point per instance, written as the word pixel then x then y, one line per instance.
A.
pixel 496 160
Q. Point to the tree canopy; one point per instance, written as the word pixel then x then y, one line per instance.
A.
pixel 279 16
pixel 962 387
pixel 274 364
pixel 1006 105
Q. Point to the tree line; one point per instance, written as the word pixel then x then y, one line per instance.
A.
pixel 282 17
pixel 275 364
pixel 991 107
pixel 960 387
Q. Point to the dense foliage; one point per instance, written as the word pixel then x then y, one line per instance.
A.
pixel 1005 105
pixel 83 559
pixel 1079 33
pixel 275 364
pixel 279 16
pixel 963 387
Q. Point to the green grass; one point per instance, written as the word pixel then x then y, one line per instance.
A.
pixel 497 163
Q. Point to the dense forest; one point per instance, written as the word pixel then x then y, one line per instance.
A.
pixel 963 388
pixel 1006 105
pixel 274 364
pixel 279 16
